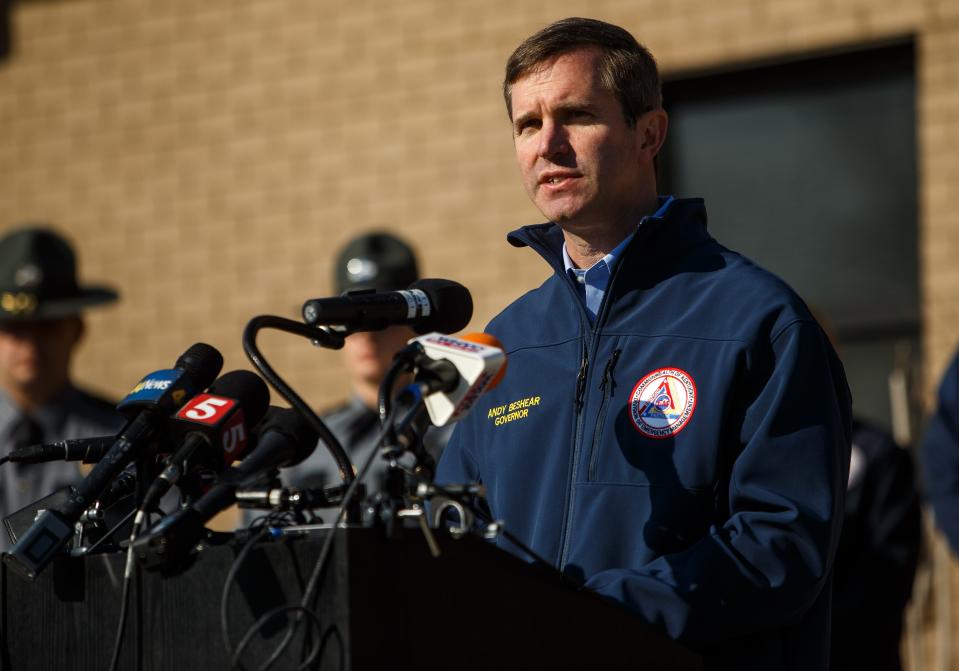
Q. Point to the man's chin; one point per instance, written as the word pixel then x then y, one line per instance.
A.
pixel 561 216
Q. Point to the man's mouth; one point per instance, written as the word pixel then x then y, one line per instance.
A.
pixel 556 179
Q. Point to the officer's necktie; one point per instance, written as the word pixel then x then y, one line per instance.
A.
pixel 23 432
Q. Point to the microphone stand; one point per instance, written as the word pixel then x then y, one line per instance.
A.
pixel 405 435
pixel 321 338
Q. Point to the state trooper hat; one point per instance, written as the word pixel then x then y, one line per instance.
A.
pixel 379 261
pixel 38 277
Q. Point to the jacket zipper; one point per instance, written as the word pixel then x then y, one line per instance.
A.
pixel 578 402
pixel 581 379
pixel 583 374
pixel 606 386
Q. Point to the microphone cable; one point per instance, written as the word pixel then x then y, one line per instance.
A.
pixel 311 586
pixel 129 571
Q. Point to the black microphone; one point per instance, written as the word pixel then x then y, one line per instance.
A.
pixel 217 424
pixel 427 305
pixel 285 439
pixel 87 450
pixel 148 404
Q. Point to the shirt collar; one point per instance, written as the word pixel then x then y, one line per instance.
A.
pixel 50 416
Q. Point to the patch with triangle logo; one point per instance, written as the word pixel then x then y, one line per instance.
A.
pixel 663 402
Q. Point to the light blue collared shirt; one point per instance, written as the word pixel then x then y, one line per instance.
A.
pixel 592 282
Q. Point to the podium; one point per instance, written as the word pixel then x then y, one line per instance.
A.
pixel 382 603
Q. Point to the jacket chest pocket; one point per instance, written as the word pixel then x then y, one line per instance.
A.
pixel 651 430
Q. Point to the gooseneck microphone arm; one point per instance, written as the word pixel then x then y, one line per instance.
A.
pixel 402 363
pixel 318 336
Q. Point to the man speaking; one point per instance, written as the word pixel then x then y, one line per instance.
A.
pixel 686 441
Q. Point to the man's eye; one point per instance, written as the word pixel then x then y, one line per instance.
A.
pixel 526 126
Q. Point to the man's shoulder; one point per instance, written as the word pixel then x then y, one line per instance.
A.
pixel 745 298
pixel 93 412
pixel 95 401
pixel 350 421
pixel 550 306
pixel 345 411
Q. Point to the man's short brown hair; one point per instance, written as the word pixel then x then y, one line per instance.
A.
pixel 628 69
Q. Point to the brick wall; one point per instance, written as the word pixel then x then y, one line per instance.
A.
pixel 208 158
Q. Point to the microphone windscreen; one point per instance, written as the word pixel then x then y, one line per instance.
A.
pixel 452 306
pixel 490 341
pixel 301 435
pixel 203 362
pixel 247 388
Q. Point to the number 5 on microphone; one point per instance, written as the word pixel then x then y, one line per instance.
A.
pixel 234 439
pixel 206 409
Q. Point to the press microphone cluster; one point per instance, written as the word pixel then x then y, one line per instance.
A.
pixel 202 427
pixel 285 439
pixel 147 406
pixel 215 429
pixel 426 305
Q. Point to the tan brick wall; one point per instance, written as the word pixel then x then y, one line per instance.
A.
pixel 209 157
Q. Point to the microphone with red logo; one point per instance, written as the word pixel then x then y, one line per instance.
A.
pixel 449 375
pixel 285 439
pixel 457 372
pixel 215 428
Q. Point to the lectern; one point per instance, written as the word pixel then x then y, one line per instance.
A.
pixel 383 603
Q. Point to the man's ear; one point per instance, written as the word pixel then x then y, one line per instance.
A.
pixel 79 328
pixel 651 130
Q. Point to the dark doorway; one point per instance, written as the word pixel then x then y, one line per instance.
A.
pixel 809 168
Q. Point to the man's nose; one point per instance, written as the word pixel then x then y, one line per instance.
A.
pixel 553 140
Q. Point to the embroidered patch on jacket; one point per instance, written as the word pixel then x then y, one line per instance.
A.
pixel 663 402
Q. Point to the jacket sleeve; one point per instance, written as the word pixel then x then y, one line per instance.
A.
pixel 764 564
pixel 940 457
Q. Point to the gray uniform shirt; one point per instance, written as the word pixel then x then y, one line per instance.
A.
pixel 74 414
pixel 356 427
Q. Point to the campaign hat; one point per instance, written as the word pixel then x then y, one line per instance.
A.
pixel 38 277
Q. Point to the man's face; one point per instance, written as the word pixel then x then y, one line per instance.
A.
pixel 368 355
pixel 36 354
pixel 581 162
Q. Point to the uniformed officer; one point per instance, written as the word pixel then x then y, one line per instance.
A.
pixel 382 262
pixel 40 328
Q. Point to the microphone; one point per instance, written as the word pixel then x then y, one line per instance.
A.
pixel 87 450
pixel 148 405
pixel 458 371
pixel 427 305
pixel 285 439
pixel 216 421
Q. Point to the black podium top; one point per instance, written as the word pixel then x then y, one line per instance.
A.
pixel 383 603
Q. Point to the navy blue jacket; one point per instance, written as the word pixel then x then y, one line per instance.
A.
pixel 686 455
pixel 940 457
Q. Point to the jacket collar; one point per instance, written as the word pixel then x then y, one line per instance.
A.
pixel 683 225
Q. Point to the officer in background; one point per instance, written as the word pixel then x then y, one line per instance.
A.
pixel 940 457
pixel 877 555
pixel 40 328
pixel 382 262
pixel 878 549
